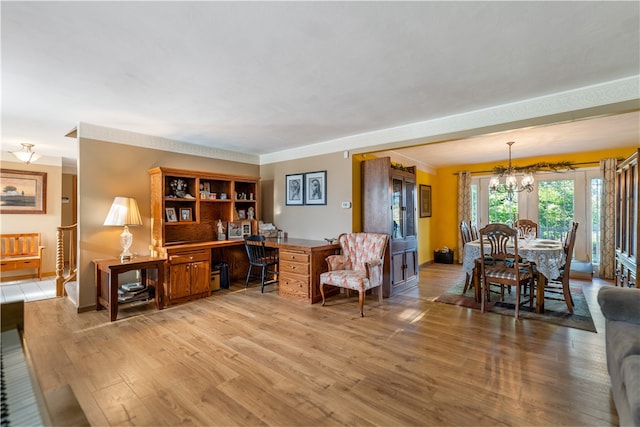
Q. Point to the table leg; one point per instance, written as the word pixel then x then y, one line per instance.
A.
pixel 113 296
pixel 476 284
pixel 98 275
pixel 540 285
pixel 159 286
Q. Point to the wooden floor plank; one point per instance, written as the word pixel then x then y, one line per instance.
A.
pixel 242 357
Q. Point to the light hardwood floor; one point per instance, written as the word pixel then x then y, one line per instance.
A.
pixel 246 358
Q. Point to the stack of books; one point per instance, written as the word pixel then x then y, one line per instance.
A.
pixel 130 292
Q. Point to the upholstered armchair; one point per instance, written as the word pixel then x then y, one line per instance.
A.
pixel 360 267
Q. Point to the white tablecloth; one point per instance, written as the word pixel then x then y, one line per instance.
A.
pixel 547 254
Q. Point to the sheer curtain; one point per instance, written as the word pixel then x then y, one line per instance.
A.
pixel 608 219
pixel 464 204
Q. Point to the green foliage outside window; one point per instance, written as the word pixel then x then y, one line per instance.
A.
pixel 555 208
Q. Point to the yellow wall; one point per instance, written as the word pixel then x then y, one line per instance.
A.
pixel 445 217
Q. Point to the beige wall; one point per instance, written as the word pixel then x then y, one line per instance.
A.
pixel 110 169
pixel 45 224
pixel 310 222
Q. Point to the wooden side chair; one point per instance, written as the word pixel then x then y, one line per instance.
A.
pixel 502 267
pixel 263 258
pixel 465 235
pixel 558 289
pixel 360 267
pixel 524 226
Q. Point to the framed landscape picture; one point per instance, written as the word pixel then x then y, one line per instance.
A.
pixel 23 192
pixel 315 188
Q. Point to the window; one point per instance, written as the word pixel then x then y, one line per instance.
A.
pixel 557 199
pixel 555 208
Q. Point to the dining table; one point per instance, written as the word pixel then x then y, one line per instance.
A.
pixel 548 255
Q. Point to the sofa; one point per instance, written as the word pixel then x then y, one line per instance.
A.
pixel 621 309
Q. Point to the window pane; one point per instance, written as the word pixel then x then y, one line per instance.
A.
pixel 555 208
pixel 501 209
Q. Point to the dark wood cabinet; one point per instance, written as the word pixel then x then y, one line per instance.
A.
pixel 627 231
pixel 389 206
pixel 189 276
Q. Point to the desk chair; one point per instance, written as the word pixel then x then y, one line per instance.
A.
pixel 263 258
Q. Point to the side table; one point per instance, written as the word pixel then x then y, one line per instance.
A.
pixel 106 276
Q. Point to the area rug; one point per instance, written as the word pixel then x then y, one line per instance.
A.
pixel 554 311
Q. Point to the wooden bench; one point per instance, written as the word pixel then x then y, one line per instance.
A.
pixel 21 252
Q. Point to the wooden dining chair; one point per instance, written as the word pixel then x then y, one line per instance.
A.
pixel 465 235
pixel 558 289
pixel 524 226
pixel 474 232
pixel 502 267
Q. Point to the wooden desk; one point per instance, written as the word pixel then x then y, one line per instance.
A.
pixel 301 263
pixel 107 271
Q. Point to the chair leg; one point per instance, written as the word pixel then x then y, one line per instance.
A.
pixel 517 299
pixel 567 296
pixel 246 282
pixel 467 282
pixel 263 274
pixel 361 302
pixel 380 294
pixel 322 292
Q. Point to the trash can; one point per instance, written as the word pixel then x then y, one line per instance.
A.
pixel 221 270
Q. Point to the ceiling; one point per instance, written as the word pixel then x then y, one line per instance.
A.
pixel 268 77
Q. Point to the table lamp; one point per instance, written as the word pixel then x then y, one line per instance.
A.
pixel 124 212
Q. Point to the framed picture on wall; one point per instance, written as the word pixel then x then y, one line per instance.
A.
pixel 425 201
pixel 23 192
pixel 293 189
pixel 315 188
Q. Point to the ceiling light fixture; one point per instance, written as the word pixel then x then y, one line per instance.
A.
pixel 26 155
pixel 510 185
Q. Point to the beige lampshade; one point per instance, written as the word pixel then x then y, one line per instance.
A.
pixel 124 211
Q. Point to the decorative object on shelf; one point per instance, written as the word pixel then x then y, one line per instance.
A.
pixel 171 215
pixel 250 213
pixel 315 188
pixel 425 201
pixel 221 235
pixel 185 214
pixel 26 155
pixel 124 212
pixel 293 189
pixel 234 229
pixel 23 192
pixel 400 167
pixel 179 187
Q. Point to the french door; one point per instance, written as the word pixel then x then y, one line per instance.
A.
pixel 556 200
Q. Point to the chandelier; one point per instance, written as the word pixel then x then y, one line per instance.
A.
pixel 510 185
